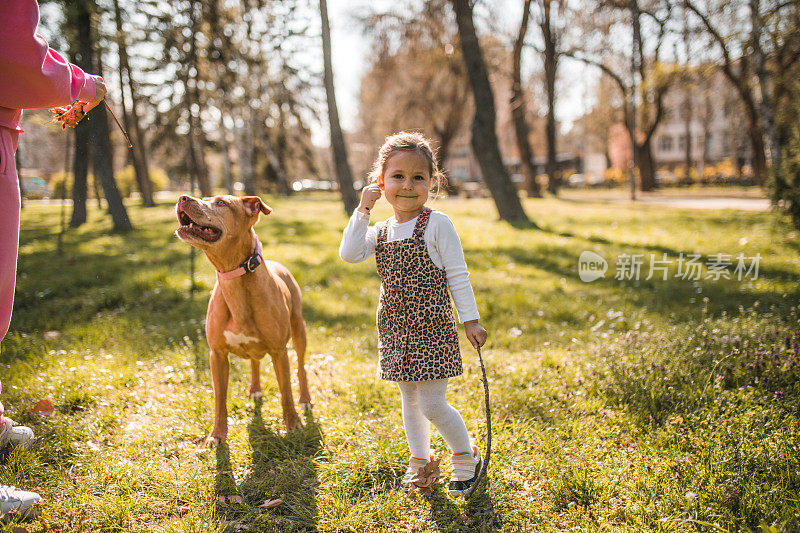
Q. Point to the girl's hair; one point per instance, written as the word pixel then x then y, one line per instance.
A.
pixel 407 141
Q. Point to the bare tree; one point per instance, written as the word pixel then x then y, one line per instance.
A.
pixel 343 173
pixel 518 107
pixel 417 78
pixel 484 136
pixel 131 118
pixel 689 87
pixel 192 100
pixel 80 171
pixel 744 63
pixel 95 127
pixel 655 76
pixel 550 66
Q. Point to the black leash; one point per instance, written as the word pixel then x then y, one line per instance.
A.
pixel 485 462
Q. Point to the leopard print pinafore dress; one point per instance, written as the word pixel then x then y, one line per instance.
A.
pixel 417 332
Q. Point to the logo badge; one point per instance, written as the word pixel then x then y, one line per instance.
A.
pixel 591 266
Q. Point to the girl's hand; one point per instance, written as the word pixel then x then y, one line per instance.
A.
pixel 475 333
pixel 369 195
pixel 99 93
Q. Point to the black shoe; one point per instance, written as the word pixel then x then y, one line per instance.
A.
pixel 458 487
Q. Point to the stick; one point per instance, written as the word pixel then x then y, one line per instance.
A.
pixel 119 125
pixel 485 464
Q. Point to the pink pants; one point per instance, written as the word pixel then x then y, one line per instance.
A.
pixel 9 229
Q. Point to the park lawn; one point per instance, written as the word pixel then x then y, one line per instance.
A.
pixel 617 405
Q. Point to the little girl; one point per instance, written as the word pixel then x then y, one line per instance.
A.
pixel 419 256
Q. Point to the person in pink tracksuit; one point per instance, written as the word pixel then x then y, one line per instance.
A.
pixel 32 76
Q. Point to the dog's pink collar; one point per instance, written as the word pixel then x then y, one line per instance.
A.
pixel 249 265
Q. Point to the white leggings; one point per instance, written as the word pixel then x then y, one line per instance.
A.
pixel 424 402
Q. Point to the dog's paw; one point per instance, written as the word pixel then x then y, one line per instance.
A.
pixel 294 424
pixel 212 442
pixel 257 395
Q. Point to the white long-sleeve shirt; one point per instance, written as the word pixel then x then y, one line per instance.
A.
pixel 444 248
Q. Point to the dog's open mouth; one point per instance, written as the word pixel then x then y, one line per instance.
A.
pixel 190 227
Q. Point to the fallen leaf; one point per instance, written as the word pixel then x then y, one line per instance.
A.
pixel 43 407
pixel 269 504
pixel 19 529
pixel 425 478
pixel 235 499
pixel 183 509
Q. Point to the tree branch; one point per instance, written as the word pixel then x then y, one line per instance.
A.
pixel 605 68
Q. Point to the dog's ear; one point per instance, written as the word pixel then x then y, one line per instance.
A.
pixel 253 205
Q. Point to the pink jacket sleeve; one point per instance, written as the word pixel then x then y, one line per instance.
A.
pixel 32 75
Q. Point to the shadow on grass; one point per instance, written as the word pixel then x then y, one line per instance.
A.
pixel 477 515
pixel 724 295
pixel 282 467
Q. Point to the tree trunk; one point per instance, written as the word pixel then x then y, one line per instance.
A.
pixel 97 124
pixel 759 157
pixel 550 65
pixel 518 108
pixel 689 90
pixel 343 174
pixel 192 98
pixel 276 165
pixel 195 155
pixel 80 170
pixel 484 136
pixel 687 128
pixel 96 188
pixel 141 142
pixel 765 91
pixel 195 141
pixel 78 17
pixel 247 152
pixel 198 139
pixel 279 153
pixel 646 164
pixel 103 168
pixel 226 154
pixel 444 138
pixel 137 152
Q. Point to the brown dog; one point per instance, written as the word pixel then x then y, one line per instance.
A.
pixel 255 305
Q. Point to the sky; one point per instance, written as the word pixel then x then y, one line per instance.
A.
pixel 350 52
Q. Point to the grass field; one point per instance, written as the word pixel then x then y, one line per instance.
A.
pixel 618 405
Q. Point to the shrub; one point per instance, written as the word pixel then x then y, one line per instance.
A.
pixel 784 182
pixel 126 180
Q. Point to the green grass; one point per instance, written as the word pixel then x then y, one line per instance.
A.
pixel 617 405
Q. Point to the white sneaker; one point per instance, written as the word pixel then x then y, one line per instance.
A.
pixel 14 500
pixel 11 433
pixel 465 470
